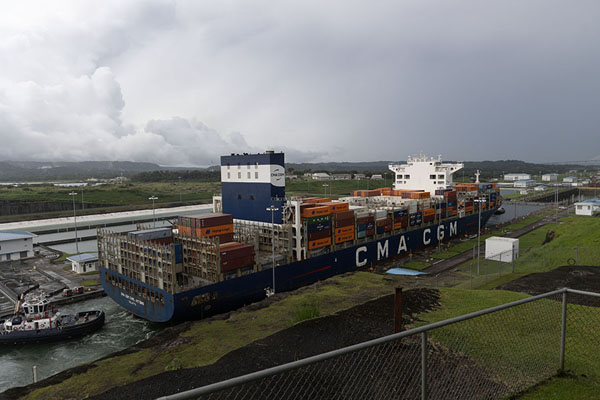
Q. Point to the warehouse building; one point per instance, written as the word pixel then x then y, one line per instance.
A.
pixel 16 245
pixel 549 177
pixel 524 183
pixel 516 177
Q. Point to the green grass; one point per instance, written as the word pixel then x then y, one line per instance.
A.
pixel 418 265
pixel 62 258
pixel 308 310
pixel 118 194
pixel 90 273
pixel 563 388
pixel 67 268
pixel 512 343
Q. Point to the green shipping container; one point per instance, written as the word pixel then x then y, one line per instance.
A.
pixel 318 220
pixel 361 234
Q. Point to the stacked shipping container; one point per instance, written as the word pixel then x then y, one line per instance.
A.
pixel 207 226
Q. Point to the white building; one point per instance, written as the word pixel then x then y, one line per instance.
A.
pixel 376 177
pixel 16 245
pixel 359 176
pixel 570 179
pixel 320 176
pixel 424 173
pixel 516 177
pixel 549 177
pixel 81 263
pixel 501 249
pixel 540 188
pixel 524 183
pixel 587 207
pixel 341 177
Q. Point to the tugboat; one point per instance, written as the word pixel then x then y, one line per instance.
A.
pixel 36 321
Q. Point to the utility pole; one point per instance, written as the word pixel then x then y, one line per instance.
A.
pixel 73 194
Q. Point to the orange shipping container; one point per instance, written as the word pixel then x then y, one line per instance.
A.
pixel 398 225
pixel 214 230
pixel 428 211
pixel 469 209
pixel 344 230
pixel 344 238
pixel 316 200
pixel 316 211
pixel 315 244
pixel 337 206
pixel 184 230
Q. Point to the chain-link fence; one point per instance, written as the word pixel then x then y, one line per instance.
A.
pixel 488 354
pixel 482 270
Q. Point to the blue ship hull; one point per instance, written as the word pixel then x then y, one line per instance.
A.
pixel 231 294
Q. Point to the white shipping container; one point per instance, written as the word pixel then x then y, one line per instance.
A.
pixel 380 214
pixel 501 249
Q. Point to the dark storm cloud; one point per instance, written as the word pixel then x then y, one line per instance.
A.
pixel 321 80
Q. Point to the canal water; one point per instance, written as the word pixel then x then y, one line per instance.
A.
pixel 121 330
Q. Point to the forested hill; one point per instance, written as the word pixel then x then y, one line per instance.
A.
pixel 11 171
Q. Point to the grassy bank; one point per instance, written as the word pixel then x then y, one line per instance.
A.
pixel 125 194
pixel 513 343
pixel 206 341
pixel 575 242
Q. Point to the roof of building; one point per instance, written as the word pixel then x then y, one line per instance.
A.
pixel 83 257
pixel 14 235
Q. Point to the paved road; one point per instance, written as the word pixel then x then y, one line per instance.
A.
pixel 461 258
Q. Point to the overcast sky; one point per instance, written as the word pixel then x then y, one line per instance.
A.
pixel 183 82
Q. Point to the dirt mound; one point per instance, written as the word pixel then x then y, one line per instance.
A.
pixel 573 277
pixel 358 324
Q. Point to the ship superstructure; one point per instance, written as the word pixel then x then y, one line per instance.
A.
pixel 211 263
pixel 421 172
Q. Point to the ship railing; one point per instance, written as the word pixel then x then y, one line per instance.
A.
pixel 494 353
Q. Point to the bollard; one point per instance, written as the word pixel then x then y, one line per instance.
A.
pixel 398 310
pixel 35 377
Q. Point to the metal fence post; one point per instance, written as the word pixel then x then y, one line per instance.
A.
pixel 424 365
pixel 35 376
pixel 563 330
pixel 576 255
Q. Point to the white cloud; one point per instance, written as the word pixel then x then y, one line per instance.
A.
pixel 340 80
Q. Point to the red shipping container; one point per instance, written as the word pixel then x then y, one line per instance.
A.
pixel 344 214
pixel 240 250
pixel 319 235
pixel 228 237
pixel 362 220
pixel 208 220
pixel 343 222
pixel 236 263
pixel 370 232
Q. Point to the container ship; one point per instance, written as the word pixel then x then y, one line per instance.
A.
pixel 258 241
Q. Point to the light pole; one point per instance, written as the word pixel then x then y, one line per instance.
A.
pixel 479 231
pixel 73 194
pixel 556 206
pixel 325 189
pixel 273 209
pixel 153 213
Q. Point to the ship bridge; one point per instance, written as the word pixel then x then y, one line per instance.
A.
pixel 426 173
